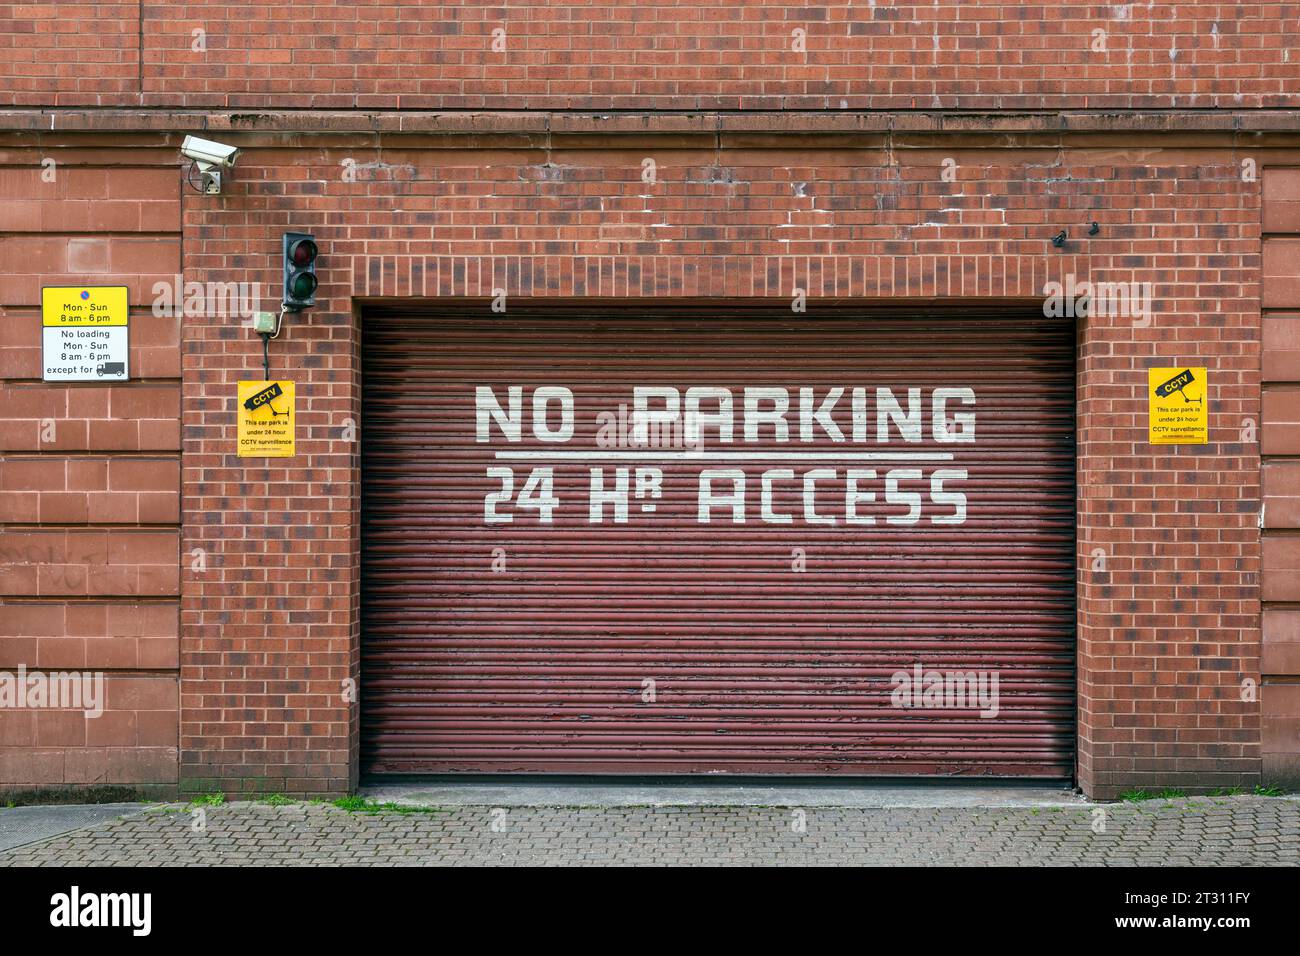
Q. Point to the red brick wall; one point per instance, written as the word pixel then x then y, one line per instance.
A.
pixel 90 473
pixel 979 54
pixel 1180 683
pixel 1169 630
pixel 86 53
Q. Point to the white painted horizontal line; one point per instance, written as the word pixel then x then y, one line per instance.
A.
pixel 722 456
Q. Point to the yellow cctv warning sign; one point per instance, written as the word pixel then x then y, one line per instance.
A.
pixel 1178 409
pixel 266 419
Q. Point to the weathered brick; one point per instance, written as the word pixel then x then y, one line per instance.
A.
pixel 605 56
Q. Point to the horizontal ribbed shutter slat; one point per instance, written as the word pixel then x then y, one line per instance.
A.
pixel 758 669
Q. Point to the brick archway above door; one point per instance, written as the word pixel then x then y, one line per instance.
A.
pixel 724 277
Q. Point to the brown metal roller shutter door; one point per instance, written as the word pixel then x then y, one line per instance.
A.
pixel 809 626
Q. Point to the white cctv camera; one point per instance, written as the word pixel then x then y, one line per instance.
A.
pixel 209 158
pixel 207 153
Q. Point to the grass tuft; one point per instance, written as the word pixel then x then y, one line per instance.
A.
pixel 362 805
pixel 214 799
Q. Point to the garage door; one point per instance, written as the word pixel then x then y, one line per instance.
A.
pixel 631 541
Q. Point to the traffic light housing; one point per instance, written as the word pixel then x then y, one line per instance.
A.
pixel 300 253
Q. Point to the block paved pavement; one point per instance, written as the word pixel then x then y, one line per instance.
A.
pixel 1203 831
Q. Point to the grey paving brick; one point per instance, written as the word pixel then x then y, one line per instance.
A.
pixel 1246 830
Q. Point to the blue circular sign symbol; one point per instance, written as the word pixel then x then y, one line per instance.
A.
pixel 85 294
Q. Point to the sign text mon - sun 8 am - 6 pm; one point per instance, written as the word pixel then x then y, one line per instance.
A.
pixel 84 334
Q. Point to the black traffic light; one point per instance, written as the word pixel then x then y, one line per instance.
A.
pixel 299 271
